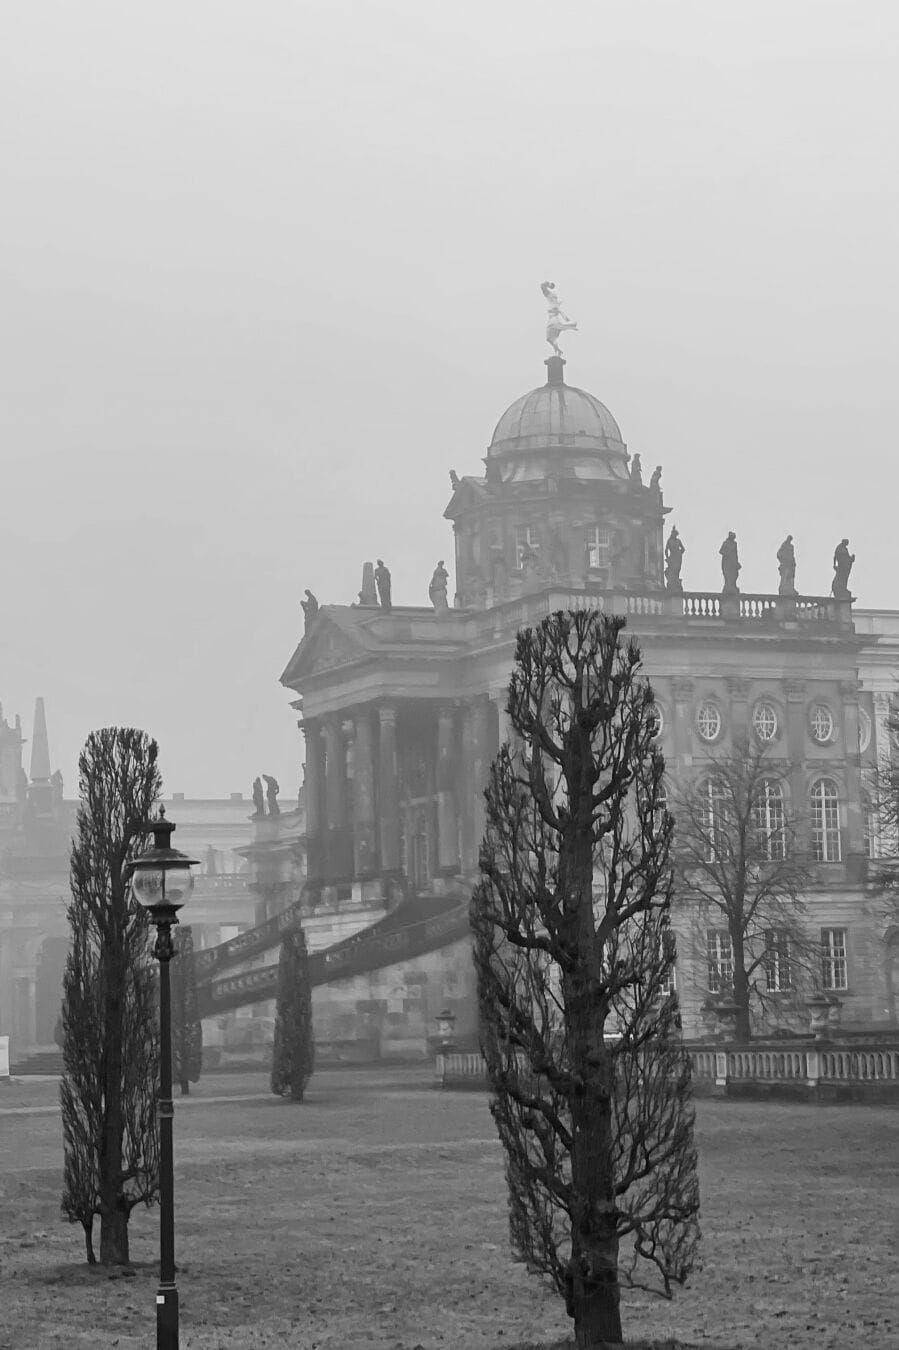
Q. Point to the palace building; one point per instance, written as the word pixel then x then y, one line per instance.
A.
pixel 402 708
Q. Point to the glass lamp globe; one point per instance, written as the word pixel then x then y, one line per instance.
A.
pixel 154 886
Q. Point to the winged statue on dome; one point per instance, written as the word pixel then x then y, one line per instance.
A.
pixel 557 321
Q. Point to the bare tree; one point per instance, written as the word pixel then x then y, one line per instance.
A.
pixel 579 1028
pixel 743 870
pixel 293 1055
pixel 187 1029
pixel 109 1023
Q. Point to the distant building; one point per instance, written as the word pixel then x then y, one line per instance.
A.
pixel 402 708
pixel 36 829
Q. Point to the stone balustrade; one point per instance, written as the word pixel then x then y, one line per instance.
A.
pixel 815 1070
pixel 806 1070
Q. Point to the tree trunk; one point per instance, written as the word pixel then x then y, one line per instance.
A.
pixel 185 1088
pixel 742 1022
pixel 113 1220
pixel 594 1237
pixel 114 1238
pixel 89 1243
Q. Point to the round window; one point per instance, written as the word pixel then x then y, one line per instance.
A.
pixel 821 723
pixel 764 720
pixel 864 730
pixel 708 721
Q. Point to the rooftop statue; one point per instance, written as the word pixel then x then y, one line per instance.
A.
pixel 842 566
pixel 382 580
pixel 655 481
pixel 786 561
pixel 455 480
pixel 674 557
pixel 369 594
pixel 272 789
pixel 557 321
pixel 730 564
pixel 636 470
pixel 310 607
pixel 258 799
pixel 437 589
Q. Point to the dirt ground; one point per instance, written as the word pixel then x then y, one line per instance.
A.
pixel 373 1217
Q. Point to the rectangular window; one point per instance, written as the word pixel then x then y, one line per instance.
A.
pixel 525 544
pixel 598 546
pixel 778 972
pixel 721 960
pixel 834 966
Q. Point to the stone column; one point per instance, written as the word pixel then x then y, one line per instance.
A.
pixel 339 866
pixel 475 761
pixel 388 792
pixel 447 819
pixel 364 833
pixel 316 837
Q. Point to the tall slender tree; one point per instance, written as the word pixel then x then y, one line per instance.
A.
pixel 579 1027
pixel 743 871
pixel 187 1029
pixel 109 1020
pixel 293 1055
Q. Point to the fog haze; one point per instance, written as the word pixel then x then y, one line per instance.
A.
pixel 270 271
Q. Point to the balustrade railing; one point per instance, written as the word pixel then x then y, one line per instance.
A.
pixel 812 1065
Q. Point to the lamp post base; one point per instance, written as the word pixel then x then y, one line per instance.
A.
pixel 167 1317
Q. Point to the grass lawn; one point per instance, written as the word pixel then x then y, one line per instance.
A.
pixel 373 1217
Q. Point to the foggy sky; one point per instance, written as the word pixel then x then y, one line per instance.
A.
pixel 271 269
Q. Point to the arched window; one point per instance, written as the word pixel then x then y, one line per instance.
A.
pixel 825 803
pixel 768 821
pixel 714 806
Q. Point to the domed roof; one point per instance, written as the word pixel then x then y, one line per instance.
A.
pixel 556 414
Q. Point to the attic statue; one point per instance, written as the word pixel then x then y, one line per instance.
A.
pixel 438 589
pixel 730 564
pixel 557 321
pixel 674 557
pixel 655 482
pixel 310 607
pixel 636 471
pixel 272 788
pixel 842 566
pixel 786 562
pixel 258 799
pixel 382 581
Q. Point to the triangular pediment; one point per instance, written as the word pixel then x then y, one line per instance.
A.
pixel 326 646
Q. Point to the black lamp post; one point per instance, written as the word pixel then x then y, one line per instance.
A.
pixel 161 882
